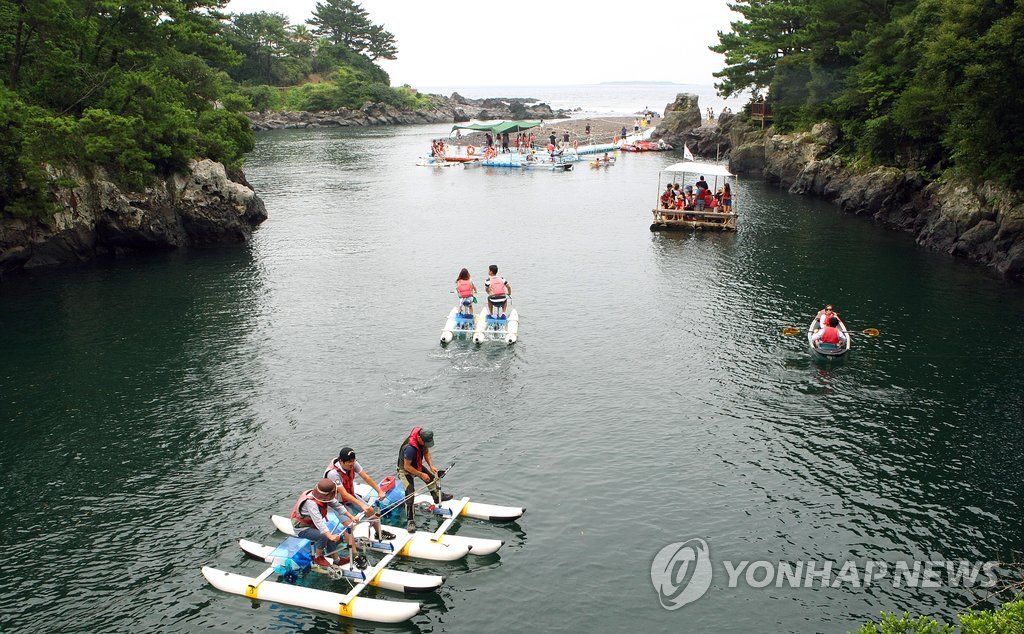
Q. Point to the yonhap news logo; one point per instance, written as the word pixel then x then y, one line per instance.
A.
pixel 682 573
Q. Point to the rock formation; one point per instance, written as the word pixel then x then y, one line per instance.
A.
pixel 95 217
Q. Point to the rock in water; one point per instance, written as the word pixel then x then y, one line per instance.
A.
pixel 95 216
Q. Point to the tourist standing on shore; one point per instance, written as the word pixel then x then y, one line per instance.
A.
pixel 565 139
pixel 622 134
pixel 586 131
pixel 504 142
pixel 551 138
pixel 488 140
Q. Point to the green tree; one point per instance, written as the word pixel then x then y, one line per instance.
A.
pixel 345 23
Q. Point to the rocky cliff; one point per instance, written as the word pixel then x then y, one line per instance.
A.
pixel 980 221
pixel 442 110
pixel 95 217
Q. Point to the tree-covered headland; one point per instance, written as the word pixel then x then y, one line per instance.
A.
pixel 932 85
pixel 141 87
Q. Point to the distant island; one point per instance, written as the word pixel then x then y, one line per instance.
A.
pixel 636 83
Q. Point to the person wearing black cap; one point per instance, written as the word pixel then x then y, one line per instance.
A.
pixel 309 517
pixel 414 462
pixel 342 471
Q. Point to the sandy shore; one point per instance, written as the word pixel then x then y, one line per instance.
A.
pixel 602 130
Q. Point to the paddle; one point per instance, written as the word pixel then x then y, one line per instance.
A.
pixel 789 331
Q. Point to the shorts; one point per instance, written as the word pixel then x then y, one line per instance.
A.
pixel 466 301
pixel 497 300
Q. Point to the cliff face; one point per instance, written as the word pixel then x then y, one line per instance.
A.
pixel 96 217
pixel 980 221
pixel 442 110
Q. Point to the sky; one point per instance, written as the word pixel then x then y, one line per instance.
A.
pixel 538 42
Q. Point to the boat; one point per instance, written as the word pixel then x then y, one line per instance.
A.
pixel 829 351
pixel 646 146
pixel 602 163
pixel 294 557
pixel 489 328
pixel 693 220
pixel 396 580
pixel 457 324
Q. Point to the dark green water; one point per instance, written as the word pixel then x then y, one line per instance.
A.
pixel 158 409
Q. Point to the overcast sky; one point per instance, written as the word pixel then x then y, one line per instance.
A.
pixel 534 42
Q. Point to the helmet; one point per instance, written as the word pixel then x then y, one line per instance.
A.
pixel 325 490
pixel 427 438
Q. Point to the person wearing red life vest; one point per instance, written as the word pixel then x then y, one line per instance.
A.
pixel 309 518
pixel 342 471
pixel 414 462
pixel 466 290
pixel 498 291
pixel 825 314
pixel 830 334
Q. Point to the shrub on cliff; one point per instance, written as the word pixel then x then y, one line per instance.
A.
pixel 917 83
pixel 1008 619
pixel 132 90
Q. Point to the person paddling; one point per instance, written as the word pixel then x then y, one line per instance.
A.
pixel 309 517
pixel 830 334
pixel 498 291
pixel 466 290
pixel 414 462
pixel 342 471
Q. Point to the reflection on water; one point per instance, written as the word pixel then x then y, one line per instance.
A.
pixel 159 409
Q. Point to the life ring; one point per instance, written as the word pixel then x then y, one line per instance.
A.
pixel 575 144
pixel 470 150
pixel 490 153
pixel 616 139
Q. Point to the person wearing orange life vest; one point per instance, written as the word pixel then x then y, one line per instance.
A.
pixel 498 291
pixel 830 334
pixel 824 315
pixel 342 471
pixel 309 518
pixel 414 462
pixel 466 290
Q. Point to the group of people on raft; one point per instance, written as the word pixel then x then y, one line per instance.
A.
pixel 336 491
pixel 828 332
pixel 697 197
pixel 498 292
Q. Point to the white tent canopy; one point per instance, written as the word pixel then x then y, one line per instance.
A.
pixel 702 169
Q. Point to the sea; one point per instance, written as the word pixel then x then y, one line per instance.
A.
pixel 678 455
pixel 608 99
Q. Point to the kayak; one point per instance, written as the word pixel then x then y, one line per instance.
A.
pixel 601 163
pixel 420 545
pixel 830 351
pixel 489 327
pixel 388 579
pixel 457 323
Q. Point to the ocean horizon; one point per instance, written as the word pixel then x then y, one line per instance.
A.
pixel 606 99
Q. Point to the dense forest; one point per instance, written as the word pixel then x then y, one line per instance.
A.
pixel 141 87
pixel 931 85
